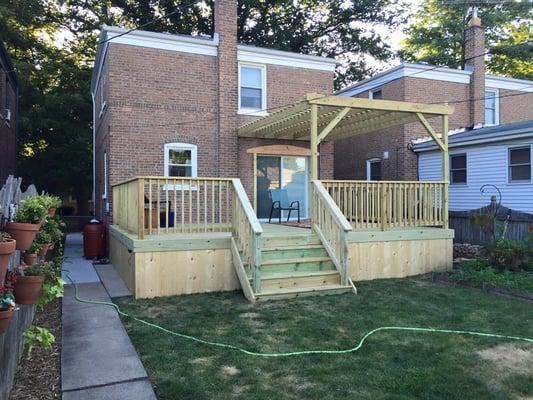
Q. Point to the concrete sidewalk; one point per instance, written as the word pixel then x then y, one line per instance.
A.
pixel 98 360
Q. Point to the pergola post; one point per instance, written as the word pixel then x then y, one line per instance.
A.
pixel 314 154
pixel 445 171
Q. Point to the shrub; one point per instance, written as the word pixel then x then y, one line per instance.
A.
pixel 507 254
pixel 36 335
pixel 50 201
pixel 30 210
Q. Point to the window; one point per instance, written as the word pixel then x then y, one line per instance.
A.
pixel 520 164
pixel 252 88
pixel 180 159
pixel 104 194
pixel 458 169
pixel 373 169
pixel 375 94
pixel 492 115
pixel 102 96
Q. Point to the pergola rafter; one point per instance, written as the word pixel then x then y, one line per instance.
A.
pixel 321 118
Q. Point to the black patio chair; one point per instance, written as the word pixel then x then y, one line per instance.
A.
pixel 280 202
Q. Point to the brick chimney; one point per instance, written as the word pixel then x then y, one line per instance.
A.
pixel 475 62
pixel 225 14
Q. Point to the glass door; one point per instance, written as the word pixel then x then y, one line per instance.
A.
pixel 281 172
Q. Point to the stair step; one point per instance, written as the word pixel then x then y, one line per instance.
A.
pixel 269 242
pixel 301 264
pixel 293 274
pixel 293 252
pixel 295 260
pixel 299 281
pixel 302 292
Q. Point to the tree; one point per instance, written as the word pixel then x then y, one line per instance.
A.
pixel 437 35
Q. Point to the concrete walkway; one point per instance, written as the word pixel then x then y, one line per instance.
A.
pixel 98 360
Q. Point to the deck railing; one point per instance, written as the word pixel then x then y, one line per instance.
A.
pixel 389 204
pixel 162 205
pixel 247 232
pixel 331 227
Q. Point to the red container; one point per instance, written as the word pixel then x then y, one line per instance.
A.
pixel 94 241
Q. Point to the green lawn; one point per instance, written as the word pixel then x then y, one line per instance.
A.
pixel 391 365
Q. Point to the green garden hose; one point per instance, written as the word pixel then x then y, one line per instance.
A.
pixel 292 353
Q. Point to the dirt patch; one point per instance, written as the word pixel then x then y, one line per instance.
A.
pixel 203 361
pixel 297 383
pixel 154 311
pixel 510 358
pixel 39 378
pixel 230 370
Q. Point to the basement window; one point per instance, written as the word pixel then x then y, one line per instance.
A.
pixel 375 94
pixel 520 164
pixel 252 89
pixel 458 169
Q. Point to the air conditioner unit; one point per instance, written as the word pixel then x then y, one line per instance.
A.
pixel 7 114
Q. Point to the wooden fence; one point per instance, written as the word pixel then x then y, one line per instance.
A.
pixel 389 204
pixel 516 224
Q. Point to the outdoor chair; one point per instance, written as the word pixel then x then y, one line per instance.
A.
pixel 280 202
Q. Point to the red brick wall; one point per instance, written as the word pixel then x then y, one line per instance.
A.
pixel 515 106
pixel 8 133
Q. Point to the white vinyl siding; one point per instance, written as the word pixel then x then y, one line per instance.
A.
pixel 486 164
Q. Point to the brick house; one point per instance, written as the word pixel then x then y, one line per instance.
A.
pixel 9 87
pixel 478 98
pixel 170 105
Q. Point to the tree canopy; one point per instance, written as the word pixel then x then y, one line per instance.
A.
pixel 436 35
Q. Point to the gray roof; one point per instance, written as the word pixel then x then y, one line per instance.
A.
pixel 488 134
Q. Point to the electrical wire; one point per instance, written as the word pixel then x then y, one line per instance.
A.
pixel 247 352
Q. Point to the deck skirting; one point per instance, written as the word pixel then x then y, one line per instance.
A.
pixel 166 265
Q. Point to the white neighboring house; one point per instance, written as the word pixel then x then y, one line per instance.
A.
pixel 498 155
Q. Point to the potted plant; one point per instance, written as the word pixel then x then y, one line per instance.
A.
pixel 7 306
pixel 52 228
pixel 30 255
pixel 44 240
pixel 7 247
pixel 51 204
pixel 29 281
pixel 28 217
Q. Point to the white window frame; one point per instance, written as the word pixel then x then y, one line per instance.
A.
pixel 371 93
pixel 450 167
pixel 369 162
pixel 254 111
pixel 496 106
pixel 519 182
pixel 104 194
pixel 182 146
pixel 103 103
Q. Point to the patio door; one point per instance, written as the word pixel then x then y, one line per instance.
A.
pixel 282 172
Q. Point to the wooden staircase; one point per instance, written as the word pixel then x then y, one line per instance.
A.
pixel 291 266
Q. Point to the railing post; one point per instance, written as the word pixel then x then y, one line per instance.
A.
pixel 384 202
pixel 140 208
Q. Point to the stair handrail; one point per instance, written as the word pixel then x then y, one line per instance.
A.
pixel 332 227
pixel 247 231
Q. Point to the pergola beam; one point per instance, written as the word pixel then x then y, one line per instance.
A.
pixel 430 130
pixel 333 123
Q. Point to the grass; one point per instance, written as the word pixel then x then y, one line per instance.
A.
pixel 478 273
pixel 391 365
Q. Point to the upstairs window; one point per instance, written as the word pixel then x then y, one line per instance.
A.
pixel 520 164
pixel 252 89
pixel 491 107
pixel 375 94
pixel 373 169
pixel 180 160
pixel 458 169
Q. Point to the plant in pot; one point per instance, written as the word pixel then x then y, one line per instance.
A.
pixel 7 306
pixel 52 227
pixel 30 255
pixel 29 281
pixel 28 218
pixel 51 204
pixel 7 247
pixel 44 240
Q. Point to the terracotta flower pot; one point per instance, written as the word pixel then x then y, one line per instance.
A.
pixel 30 258
pixel 52 212
pixel 5 319
pixel 23 233
pixel 27 289
pixel 44 250
pixel 6 249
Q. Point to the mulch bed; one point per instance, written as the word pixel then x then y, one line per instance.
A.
pixel 39 378
pixel 516 294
